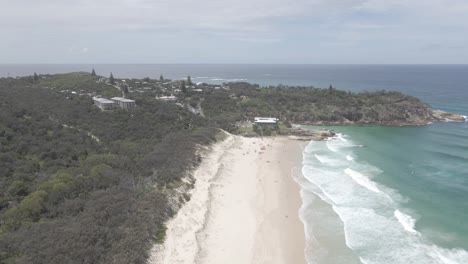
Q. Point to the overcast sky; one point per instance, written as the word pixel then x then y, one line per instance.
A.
pixel 234 31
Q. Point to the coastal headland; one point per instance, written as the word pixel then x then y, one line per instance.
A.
pixel 244 207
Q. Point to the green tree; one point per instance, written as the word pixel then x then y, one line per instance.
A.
pixel 29 210
pixel 124 89
pixel 93 73
pixel 17 188
pixel 183 87
pixel 161 78
pixel 111 79
pixel 189 80
pixel 36 78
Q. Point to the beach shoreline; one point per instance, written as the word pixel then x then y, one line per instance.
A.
pixel 244 207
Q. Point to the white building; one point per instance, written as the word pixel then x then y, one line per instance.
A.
pixel 266 120
pixel 124 102
pixel 104 103
pixel 171 98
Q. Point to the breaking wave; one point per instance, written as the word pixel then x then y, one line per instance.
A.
pixel 375 227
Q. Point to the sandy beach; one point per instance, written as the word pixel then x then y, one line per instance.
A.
pixel 243 209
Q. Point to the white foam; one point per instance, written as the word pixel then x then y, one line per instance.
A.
pixel 449 256
pixel 318 158
pixel 375 227
pixel 362 180
pixel 341 137
pixel 323 159
pixel 337 143
pixel 229 80
pixel 466 118
pixel 406 221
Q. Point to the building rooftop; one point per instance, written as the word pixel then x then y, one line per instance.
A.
pixel 103 100
pixel 172 97
pixel 266 120
pixel 121 99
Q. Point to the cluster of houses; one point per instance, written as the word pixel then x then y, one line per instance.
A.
pixel 114 102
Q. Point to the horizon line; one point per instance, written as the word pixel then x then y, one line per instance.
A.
pixel 224 63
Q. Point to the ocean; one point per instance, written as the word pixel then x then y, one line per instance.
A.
pixel 372 194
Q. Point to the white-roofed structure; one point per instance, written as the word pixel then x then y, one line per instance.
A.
pixel 124 102
pixel 104 103
pixel 266 120
pixel 170 98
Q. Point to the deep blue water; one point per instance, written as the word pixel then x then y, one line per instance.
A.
pixel 374 194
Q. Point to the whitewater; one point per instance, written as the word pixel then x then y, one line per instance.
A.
pixel 376 225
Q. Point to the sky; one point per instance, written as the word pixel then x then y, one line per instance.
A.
pixel 234 31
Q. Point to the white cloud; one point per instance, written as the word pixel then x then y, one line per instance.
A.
pixel 332 25
pixel 135 14
pixel 213 15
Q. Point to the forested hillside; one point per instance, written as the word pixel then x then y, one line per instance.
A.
pixel 308 105
pixel 78 185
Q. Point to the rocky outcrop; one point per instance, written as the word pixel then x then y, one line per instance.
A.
pixel 308 135
pixel 440 115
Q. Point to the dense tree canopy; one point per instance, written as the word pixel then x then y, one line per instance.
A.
pixel 79 185
pixel 308 105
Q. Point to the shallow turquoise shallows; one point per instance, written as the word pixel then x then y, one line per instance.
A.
pixel 401 194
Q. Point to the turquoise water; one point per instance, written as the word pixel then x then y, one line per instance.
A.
pixel 401 194
pixel 373 194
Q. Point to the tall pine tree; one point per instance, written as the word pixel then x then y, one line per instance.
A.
pixel 111 79
pixel 189 80
pixel 183 87
pixel 93 73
